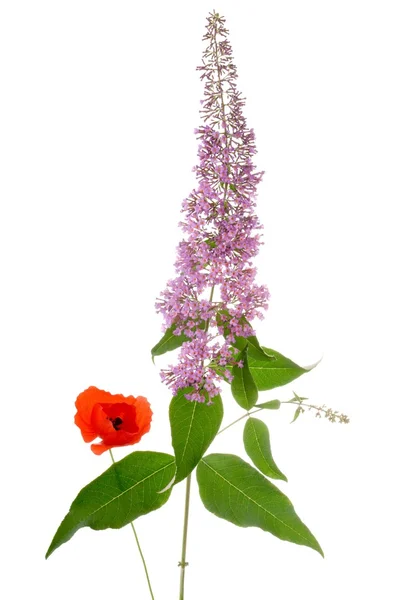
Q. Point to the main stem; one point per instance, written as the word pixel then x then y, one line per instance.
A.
pixel 183 564
pixel 139 548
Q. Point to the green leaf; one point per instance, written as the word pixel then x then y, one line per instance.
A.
pixel 258 447
pixel 232 489
pixel 297 399
pixel 194 425
pixel 268 375
pixel 244 390
pixel 253 347
pixel 297 413
pixel 271 404
pixel 128 489
pixel 168 342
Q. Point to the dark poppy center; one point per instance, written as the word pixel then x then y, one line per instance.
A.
pixel 116 423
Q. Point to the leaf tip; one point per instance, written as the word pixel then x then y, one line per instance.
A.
pixel 313 365
pixel 315 546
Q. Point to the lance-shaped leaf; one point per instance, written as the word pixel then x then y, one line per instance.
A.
pixel 271 404
pixel 297 413
pixel 194 425
pixel 271 374
pixel 168 342
pixel 244 390
pixel 128 489
pixel 258 447
pixel 233 490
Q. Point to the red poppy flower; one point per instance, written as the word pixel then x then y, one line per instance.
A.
pixel 116 419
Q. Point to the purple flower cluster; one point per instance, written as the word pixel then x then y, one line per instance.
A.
pixel 214 296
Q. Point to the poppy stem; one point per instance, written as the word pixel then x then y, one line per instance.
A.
pixel 138 545
pixel 183 564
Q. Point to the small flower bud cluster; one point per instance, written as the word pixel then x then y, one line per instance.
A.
pixel 332 415
pixel 320 411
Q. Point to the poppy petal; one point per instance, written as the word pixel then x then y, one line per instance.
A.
pixel 119 438
pixel 100 448
pixel 143 414
pixel 100 421
pixel 87 400
pixel 87 432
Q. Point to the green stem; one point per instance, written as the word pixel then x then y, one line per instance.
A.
pixel 183 564
pixel 298 403
pixel 138 545
pixel 239 419
pixel 248 414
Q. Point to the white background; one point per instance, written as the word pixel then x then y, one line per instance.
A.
pixel 98 105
